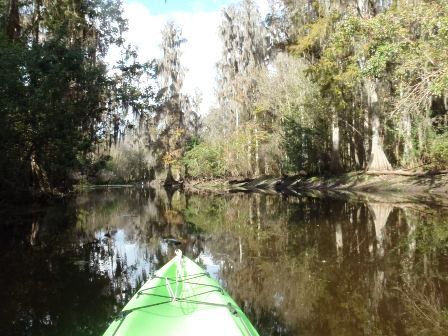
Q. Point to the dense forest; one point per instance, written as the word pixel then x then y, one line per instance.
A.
pixel 322 87
pixel 55 92
pixel 314 87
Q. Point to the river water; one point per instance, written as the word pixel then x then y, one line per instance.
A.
pixel 300 264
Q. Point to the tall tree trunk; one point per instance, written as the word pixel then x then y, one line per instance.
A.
pixel 13 28
pixel 365 9
pixel 237 119
pixel 367 144
pixel 36 18
pixel 249 154
pixel 407 138
pixel 257 148
pixel 407 132
pixel 34 232
pixel 354 142
pixel 335 140
pixel 378 160
pixel 39 178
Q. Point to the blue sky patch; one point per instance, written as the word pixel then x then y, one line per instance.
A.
pixel 159 7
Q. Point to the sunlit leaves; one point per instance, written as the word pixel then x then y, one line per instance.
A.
pixel 205 160
pixel 439 150
pixel 380 58
pixel 403 48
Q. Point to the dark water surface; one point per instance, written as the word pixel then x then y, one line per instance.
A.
pixel 298 265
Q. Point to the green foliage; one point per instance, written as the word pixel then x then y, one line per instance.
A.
pixel 126 165
pixel 47 117
pixel 316 34
pixel 380 58
pixel 439 151
pixel 204 160
pixel 402 49
pixel 305 148
pixel 192 142
pixel 53 91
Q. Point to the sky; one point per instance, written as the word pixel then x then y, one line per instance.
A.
pixel 199 20
pixel 162 7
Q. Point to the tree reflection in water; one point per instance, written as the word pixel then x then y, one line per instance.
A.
pixel 302 264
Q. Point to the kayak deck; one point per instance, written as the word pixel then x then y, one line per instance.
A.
pixel 181 299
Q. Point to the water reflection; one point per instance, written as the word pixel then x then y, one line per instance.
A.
pixel 298 265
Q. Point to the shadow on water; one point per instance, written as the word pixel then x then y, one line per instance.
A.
pixel 297 264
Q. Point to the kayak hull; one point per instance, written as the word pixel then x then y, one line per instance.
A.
pixel 181 299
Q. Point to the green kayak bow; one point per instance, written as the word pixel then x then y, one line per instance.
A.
pixel 181 299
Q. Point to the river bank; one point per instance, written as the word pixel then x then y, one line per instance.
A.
pixel 404 182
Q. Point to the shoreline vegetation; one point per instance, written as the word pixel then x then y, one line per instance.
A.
pixel 398 181
pixel 416 184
